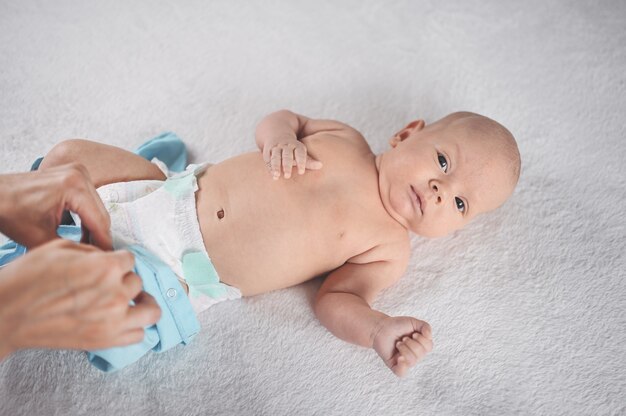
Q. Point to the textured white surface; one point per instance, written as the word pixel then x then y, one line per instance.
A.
pixel 527 305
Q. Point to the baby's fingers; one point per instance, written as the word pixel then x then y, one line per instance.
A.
pixel 275 161
pixel 410 352
pixel 409 356
pixel 301 157
pixel 401 367
pixel 425 341
pixel 304 161
pixel 287 161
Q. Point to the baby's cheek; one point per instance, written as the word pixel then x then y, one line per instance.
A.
pixel 401 203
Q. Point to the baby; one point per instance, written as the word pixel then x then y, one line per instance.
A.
pixel 338 211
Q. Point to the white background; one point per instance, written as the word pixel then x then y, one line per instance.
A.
pixel 527 305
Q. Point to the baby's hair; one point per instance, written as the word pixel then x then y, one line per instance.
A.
pixel 489 129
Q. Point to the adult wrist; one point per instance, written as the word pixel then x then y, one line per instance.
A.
pixel 8 313
pixel 6 199
pixel 5 349
pixel 6 344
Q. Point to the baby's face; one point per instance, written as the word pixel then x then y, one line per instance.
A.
pixel 435 180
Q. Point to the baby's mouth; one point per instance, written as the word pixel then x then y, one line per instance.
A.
pixel 416 200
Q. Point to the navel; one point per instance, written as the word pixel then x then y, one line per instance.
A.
pixel 220 214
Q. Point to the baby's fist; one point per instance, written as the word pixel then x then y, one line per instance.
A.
pixel 402 341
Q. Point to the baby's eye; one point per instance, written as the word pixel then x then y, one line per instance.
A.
pixel 460 205
pixel 442 162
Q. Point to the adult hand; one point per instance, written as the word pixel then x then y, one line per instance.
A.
pixel 68 295
pixel 32 203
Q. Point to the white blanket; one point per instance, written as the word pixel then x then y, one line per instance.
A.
pixel 527 305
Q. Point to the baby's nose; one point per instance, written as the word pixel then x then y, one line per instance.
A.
pixel 437 193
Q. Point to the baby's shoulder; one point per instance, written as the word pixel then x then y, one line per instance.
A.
pixel 338 136
pixel 375 269
pixel 393 245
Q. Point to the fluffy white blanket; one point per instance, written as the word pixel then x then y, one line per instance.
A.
pixel 527 305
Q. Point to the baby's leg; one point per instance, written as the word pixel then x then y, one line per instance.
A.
pixel 105 163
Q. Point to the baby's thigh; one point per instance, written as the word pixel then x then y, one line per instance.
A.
pixel 105 163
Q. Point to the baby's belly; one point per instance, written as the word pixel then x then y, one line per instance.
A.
pixel 262 235
pixel 258 255
pixel 251 267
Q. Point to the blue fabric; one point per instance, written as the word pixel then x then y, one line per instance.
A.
pixel 10 251
pixel 36 164
pixel 168 148
pixel 178 323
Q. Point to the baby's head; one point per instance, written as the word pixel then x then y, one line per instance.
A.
pixel 436 178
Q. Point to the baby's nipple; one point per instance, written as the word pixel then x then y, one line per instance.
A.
pixel 220 214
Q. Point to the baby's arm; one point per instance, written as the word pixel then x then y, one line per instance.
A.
pixel 104 163
pixel 278 135
pixel 343 306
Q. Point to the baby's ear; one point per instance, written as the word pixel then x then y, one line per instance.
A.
pixel 393 142
pixel 416 125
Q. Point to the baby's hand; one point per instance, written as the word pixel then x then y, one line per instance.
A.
pixel 284 153
pixel 402 341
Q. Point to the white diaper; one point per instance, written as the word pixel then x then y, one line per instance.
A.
pixel 161 216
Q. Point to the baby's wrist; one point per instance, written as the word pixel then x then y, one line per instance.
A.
pixel 273 140
pixel 283 137
pixel 378 325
